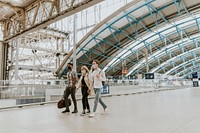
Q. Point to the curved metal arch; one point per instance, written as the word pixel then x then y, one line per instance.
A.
pixel 113 62
pixel 165 50
pixel 187 63
pixel 93 34
pixel 190 69
pixel 86 47
pixel 176 67
pixel 125 15
pixel 158 33
pixel 190 72
pixel 192 51
pixel 188 37
pixel 143 62
pixel 182 65
pixel 88 39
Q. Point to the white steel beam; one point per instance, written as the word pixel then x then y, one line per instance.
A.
pixel 36 16
pixel 42 49
pixel 53 33
pixel 14 8
pixel 33 68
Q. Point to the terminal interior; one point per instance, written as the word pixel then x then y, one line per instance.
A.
pixel 148 49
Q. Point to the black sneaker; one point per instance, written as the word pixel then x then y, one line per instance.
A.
pixel 83 113
pixel 88 112
pixel 75 111
pixel 65 111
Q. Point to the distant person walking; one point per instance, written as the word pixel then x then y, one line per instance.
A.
pixel 97 76
pixel 70 88
pixel 84 84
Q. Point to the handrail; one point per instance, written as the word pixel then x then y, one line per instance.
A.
pixel 40 94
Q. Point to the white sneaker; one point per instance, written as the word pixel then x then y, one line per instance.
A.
pixel 91 114
pixel 105 111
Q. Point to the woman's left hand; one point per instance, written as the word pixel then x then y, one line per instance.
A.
pixel 89 91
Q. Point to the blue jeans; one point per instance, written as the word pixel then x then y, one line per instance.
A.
pixel 98 99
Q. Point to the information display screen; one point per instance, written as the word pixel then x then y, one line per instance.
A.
pixel 194 75
pixel 149 76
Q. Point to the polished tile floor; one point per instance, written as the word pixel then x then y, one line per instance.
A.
pixel 172 111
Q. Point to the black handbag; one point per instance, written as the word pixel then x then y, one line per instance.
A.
pixel 61 103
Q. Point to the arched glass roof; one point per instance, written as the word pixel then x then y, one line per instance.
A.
pixel 168 30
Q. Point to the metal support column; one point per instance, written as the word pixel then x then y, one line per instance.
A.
pixel 147 60
pixel 17 41
pixel 2 66
pixel 86 21
pixel 58 54
pixel 62 44
pixel 74 41
pixel 34 63
pixel 2 62
pixel 11 60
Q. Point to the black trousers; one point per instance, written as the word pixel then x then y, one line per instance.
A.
pixel 85 94
pixel 68 91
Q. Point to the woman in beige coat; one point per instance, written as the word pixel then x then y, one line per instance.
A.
pixel 84 84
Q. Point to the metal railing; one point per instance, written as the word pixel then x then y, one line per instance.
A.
pixel 46 91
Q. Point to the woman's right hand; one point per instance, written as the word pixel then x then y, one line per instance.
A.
pixel 76 90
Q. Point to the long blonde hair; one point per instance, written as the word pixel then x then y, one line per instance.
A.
pixel 86 68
